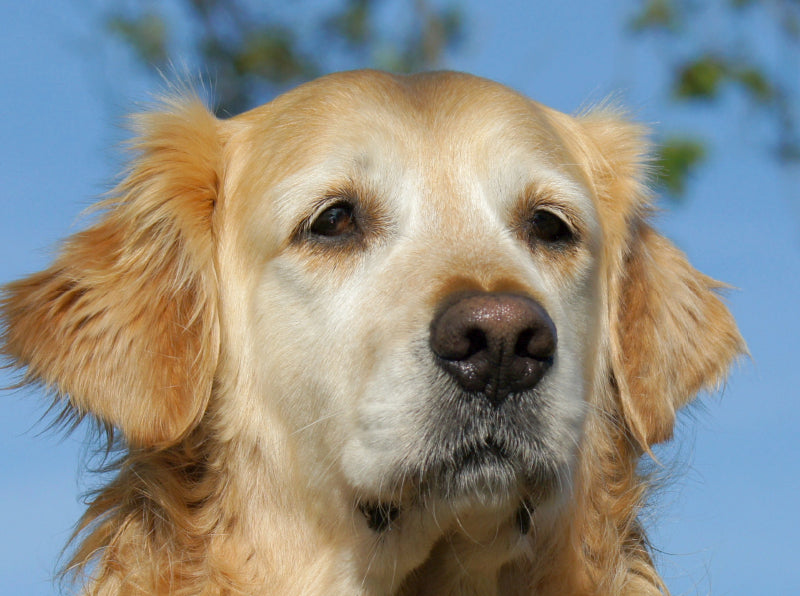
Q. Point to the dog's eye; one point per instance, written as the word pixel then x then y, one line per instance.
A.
pixel 337 220
pixel 546 226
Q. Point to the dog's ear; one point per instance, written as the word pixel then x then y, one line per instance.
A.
pixel 671 334
pixel 124 324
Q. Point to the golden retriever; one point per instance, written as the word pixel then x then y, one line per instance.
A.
pixel 383 335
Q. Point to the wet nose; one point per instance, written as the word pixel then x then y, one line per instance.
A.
pixel 494 343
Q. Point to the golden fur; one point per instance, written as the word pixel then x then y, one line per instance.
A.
pixel 194 321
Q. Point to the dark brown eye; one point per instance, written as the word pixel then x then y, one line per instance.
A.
pixel 337 220
pixel 549 227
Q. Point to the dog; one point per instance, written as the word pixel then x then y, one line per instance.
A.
pixel 382 335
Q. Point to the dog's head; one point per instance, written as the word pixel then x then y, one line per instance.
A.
pixel 422 292
pixel 420 287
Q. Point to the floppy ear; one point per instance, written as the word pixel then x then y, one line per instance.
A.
pixel 124 322
pixel 671 335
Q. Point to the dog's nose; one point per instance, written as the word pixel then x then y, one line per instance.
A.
pixel 494 343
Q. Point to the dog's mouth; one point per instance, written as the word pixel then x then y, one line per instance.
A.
pixel 490 473
pixel 489 469
pixel 488 452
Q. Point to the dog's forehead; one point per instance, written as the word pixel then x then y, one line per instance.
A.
pixel 447 133
pixel 431 110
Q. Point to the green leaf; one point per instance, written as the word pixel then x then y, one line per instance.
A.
pixel 700 78
pixel 676 160
pixel 757 84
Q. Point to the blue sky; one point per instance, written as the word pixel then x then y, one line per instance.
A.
pixel 727 522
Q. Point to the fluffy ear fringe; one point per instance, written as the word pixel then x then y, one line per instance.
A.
pixel 123 324
pixel 671 334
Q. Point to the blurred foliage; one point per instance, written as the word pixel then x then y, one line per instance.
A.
pixel 146 33
pixel 656 14
pixel 710 56
pixel 254 50
pixel 677 158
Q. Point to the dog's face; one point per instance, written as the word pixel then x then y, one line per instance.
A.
pixel 420 288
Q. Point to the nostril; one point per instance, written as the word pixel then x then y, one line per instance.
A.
pixel 477 342
pixel 521 349
pixel 537 343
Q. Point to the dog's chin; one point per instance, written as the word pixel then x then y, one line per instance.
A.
pixel 487 479
pixel 483 479
pixel 489 476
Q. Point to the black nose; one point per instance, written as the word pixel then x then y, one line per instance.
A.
pixel 494 343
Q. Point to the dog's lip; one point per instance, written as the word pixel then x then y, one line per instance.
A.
pixel 476 452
